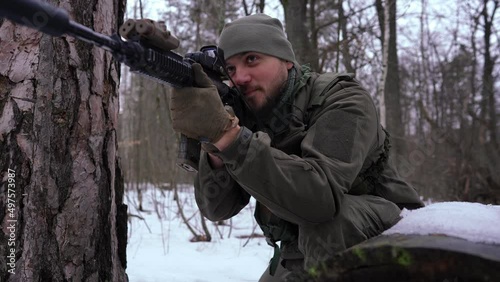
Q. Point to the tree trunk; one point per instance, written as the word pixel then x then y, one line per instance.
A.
pixel 391 87
pixel 59 165
pixel 346 54
pixel 488 106
pixel 297 32
pixel 382 12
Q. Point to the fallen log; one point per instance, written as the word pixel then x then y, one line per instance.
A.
pixel 400 257
pixel 448 241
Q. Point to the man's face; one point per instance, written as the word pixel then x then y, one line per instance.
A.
pixel 259 77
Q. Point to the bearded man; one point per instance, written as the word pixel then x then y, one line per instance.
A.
pixel 317 161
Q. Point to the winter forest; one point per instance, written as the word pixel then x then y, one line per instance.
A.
pixel 82 137
pixel 431 66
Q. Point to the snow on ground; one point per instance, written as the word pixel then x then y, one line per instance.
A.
pixel 159 248
pixel 470 221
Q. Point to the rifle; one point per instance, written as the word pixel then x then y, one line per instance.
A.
pixel 146 50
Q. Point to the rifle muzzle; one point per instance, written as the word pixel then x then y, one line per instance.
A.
pixel 36 14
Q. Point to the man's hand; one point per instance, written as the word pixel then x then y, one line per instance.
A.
pixel 198 112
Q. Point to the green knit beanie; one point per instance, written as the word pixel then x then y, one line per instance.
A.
pixel 256 33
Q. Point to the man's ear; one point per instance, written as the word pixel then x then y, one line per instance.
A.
pixel 289 65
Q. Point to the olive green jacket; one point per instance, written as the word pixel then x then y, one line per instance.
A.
pixel 303 164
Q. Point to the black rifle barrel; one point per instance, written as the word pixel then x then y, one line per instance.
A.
pixel 36 14
pixel 53 21
pixel 163 66
pixel 88 35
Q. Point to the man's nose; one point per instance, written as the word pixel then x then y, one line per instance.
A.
pixel 241 77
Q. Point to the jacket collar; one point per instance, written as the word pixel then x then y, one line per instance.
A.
pixel 278 122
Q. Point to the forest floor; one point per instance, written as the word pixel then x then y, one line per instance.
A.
pixel 159 247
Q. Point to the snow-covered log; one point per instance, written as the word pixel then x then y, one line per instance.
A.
pixel 453 241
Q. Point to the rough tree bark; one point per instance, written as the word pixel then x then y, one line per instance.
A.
pixel 59 109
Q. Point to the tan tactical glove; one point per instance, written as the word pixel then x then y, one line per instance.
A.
pixel 198 112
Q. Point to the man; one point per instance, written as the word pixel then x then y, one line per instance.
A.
pixel 316 161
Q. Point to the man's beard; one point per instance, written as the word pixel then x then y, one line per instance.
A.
pixel 272 99
pixel 266 111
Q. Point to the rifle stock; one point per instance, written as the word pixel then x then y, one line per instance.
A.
pixel 142 56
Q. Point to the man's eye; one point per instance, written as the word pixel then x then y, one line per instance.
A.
pixel 251 58
pixel 230 70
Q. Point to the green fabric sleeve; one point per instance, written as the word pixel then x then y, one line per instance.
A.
pixel 217 195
